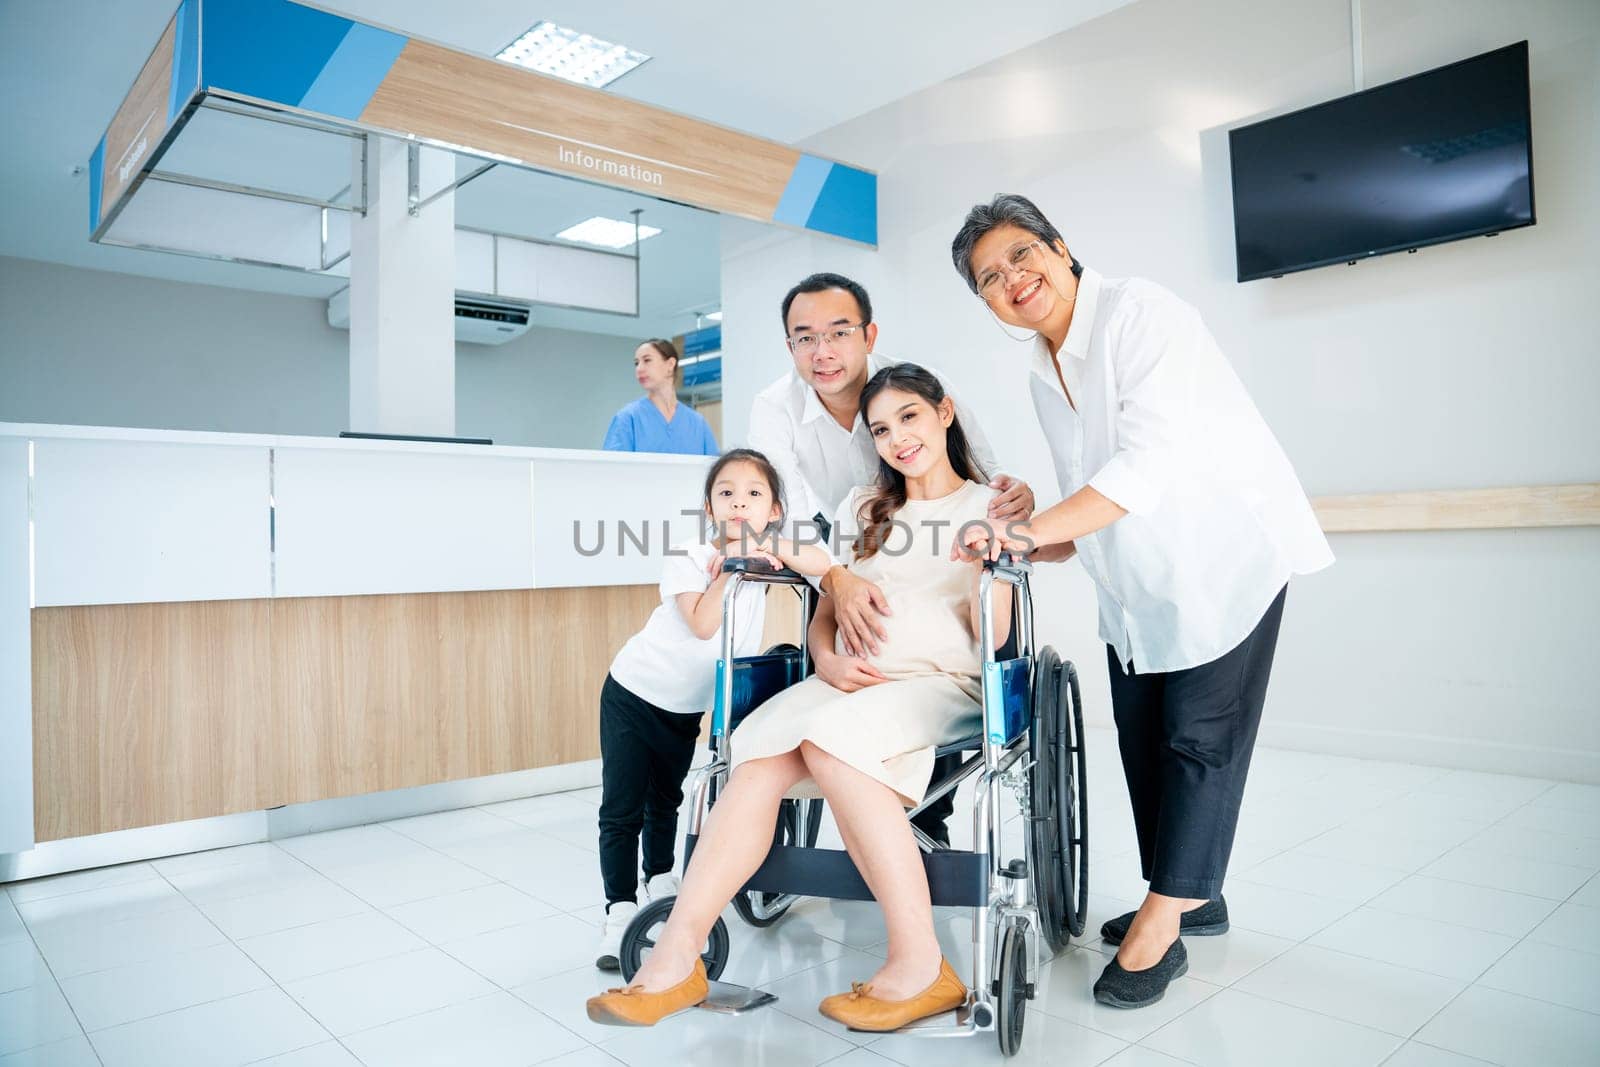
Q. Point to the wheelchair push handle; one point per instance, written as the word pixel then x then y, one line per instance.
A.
pixel 1009 564
pixel 752 567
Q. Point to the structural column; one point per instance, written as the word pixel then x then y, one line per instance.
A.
pixel 402 296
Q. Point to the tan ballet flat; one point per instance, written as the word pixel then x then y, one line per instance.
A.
pixel 860 1010
pixel 632 1006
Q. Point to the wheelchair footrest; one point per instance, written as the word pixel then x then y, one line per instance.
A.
pixel 957 1023
pixel 955 879
pixel 729 999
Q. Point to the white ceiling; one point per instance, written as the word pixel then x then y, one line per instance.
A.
pixel 780 71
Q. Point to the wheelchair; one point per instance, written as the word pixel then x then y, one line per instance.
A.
pixel 1030 745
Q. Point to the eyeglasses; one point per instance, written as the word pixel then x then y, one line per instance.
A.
pixel 807 343
pixel 1023 257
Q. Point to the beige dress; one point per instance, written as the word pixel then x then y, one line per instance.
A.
pixel 889 731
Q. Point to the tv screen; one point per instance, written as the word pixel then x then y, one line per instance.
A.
pixel 1430 158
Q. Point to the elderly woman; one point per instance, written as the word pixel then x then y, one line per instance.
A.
pixel 1189 519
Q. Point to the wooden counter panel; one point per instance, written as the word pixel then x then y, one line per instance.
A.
pixel 153 713
pixel 124 689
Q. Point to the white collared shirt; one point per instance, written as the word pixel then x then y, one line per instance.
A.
pixel 821 461
pixel 1217 520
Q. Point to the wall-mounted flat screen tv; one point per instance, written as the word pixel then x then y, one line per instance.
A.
pixel 1434 157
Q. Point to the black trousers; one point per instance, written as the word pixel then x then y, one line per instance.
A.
pixel 644 755
pixel 1186 738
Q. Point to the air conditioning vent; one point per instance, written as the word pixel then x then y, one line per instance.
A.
pixel 479 321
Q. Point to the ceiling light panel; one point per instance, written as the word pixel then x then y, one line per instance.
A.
pixel 577 57
pixel 605 233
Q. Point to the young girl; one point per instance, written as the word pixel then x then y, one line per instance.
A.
pixel 660 684
pixel 867 743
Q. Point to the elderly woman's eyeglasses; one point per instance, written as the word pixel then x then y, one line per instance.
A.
pixel 806 343
pixel 1023 257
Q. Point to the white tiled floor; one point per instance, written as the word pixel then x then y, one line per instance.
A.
pixel 1383 914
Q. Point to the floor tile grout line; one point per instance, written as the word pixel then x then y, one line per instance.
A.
pixel 62 993
pixel 1406 967
pixel 1439 1048
pixel 1475 981
pixel 454 859
pixel 76 892
pixel 270 978
pixel 276 984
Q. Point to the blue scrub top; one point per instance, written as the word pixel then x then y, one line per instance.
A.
pixel 639 427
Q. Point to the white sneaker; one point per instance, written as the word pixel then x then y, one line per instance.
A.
pixel 661 886
pixel 617 920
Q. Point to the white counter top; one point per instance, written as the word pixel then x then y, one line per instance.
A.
pixel 123 515
pixel 353 444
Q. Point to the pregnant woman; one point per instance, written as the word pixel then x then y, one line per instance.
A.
pixel 866 744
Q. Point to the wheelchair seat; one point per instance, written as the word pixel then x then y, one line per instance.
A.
pixel 955 748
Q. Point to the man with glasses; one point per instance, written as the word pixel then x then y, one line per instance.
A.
pixel 808 423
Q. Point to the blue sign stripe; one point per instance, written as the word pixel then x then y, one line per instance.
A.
pixel 269 49
pixel 97 168
pixel 800 195
pixel 707 339
pixel 847 205
pixel 703 372
pixel 354 72
pixel 185 58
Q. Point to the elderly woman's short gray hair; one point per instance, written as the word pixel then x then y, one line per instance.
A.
pixel 1007 207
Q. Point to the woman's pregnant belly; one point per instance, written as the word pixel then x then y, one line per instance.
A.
pixel 925 636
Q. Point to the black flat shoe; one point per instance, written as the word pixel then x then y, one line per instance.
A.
pixel 1121 988
pixel 1208 920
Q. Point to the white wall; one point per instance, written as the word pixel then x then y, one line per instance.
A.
pixel 94 348
pixel 1470 364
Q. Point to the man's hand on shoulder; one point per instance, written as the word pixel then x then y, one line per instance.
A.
pixel 1014 501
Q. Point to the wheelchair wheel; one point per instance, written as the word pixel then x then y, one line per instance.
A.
pixel 1056 852
pixel 799 822
pixel 1011 989
pixel 640 937
pixel 1076 811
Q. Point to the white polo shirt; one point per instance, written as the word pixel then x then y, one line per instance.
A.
pixel 821 461
pixel 1217 521
pixel 665 664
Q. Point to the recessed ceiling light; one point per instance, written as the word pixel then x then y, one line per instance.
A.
pixel 577 57
pixel 607 233
pixel 714 316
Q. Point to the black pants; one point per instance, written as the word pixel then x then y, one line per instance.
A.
pixel 644 755
pixel 1186 738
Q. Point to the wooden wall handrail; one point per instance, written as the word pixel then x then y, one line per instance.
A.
pixel 1462 509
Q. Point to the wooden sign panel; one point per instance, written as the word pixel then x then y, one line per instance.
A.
pixel 278 52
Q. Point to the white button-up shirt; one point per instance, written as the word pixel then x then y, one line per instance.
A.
pixel 1217 520
pixel 821 461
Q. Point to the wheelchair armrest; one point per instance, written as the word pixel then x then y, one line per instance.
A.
pixel 762 571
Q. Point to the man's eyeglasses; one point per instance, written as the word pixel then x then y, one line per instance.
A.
pixel 806 343
pixel 1023 257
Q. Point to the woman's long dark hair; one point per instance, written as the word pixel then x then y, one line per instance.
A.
pixel 889 492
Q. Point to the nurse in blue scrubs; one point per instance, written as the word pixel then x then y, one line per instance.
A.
pixel 656 422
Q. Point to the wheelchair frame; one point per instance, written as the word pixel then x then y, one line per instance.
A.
pixel 1002 892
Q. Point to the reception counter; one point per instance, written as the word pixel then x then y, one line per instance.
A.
pixel 199 624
